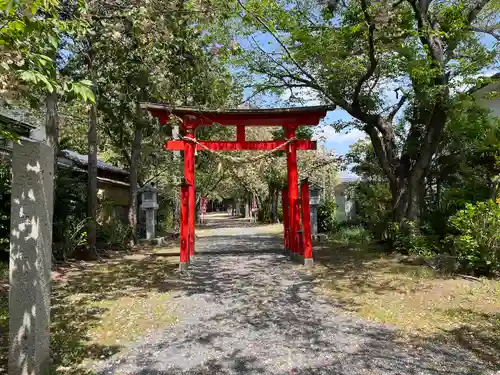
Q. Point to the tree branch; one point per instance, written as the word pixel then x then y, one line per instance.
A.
pixel 476 9
pixel 486 31
pixel 397 107
pixel 381 152
pixel 371 53
pixel 280 42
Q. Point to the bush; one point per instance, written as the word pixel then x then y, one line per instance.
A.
pixel 477 244
pixel 74 236
pixel 409 239
pixel 373 207
pixel 326 216
pixel 70 204
pixel 349 233
pixel 113 233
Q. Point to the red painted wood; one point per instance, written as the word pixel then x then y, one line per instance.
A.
pixel 293 190
pixel 264 120
pixel 301 144
pixel 306 220
pixel 257 119
pixel 286 219
pixel 189 163
pixel 240 133
pixel 189 178
pixel 184 254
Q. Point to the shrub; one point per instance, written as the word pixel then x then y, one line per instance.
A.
pixel 70 204
pixel 74 236
pixel 373 207
pixel 114 232
pixel 349 233
pixel 477 244
pixel 326 216
pixel 409 239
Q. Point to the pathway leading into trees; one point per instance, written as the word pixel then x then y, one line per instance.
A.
pixel 246 309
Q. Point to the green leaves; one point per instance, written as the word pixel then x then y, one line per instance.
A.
pixel 36 78
pixel 82 90
pixel 477 245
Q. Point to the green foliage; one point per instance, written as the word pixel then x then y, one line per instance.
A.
pixel 70 208
pixel 352 54
pixel 373 207
pixel 32 36
pixel 113 233
pixel 477 244
pixel 73 237
pixel 351 234
pixel 326 216
pixel 409 239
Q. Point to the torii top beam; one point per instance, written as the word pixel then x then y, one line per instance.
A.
pixel 295 116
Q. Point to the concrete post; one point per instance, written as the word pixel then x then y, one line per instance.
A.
pixel 150 224
pixel 314 221
pixel 30 257
pixel 247 207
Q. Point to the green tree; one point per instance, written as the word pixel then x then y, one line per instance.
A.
pixel 354 53
pixel 32 35
pixel 135 53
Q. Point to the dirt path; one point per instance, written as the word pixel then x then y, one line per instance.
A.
pixel 245 308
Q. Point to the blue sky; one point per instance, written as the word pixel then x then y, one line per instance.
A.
pixel 333 141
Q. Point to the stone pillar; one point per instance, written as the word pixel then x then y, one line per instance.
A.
pixel 314 221
pixel 30 257
pixel 150 224
pixel 247 207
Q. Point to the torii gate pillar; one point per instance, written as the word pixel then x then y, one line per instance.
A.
pixel 188 203
pixel 293 191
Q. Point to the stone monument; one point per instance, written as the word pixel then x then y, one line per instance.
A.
pixel 149 197
pixel 314 201
pixel 32 204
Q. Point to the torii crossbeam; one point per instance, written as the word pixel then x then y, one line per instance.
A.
pixel 288 118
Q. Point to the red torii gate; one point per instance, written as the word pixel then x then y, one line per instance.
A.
pixel 295 241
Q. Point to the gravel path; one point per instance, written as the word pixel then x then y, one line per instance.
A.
pixel 245 309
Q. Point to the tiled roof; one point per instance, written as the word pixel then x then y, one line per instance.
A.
pixel 83 161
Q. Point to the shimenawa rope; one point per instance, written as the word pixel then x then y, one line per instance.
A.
pixel 237 160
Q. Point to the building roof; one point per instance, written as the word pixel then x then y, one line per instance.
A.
pixel 490 80
pixel 19 127
pixel 83 161
pixel 242 116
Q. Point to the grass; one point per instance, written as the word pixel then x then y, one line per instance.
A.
pixel 99 307
pixel 400 292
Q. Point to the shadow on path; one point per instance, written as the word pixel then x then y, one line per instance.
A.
pixel 245 309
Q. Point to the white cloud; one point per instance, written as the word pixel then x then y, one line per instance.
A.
pixel 348 176
pixel 303 96
pixel 349 136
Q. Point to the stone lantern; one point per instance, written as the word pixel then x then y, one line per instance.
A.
pixel 149 198
pixel 314 201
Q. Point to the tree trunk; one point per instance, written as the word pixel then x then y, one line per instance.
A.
pixel 405 202
pixel 277 197
pixel 92 179
pixel 134 167
pixel 52 124
pixel 273 195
